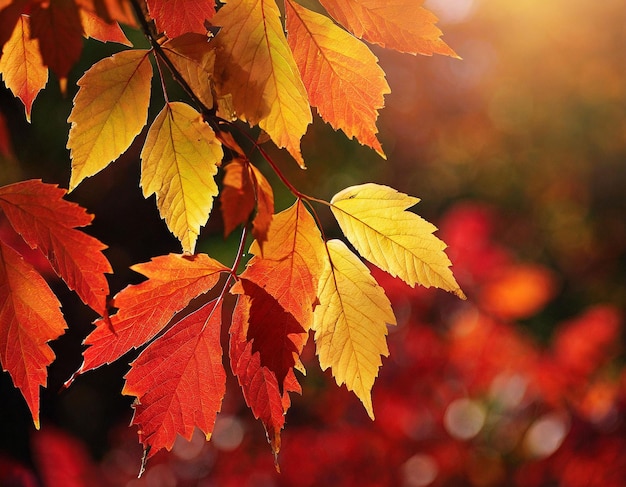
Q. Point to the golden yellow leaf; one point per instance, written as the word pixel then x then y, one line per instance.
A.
pixel 403 25
pixel 21 65
pixel 110 109
pixel 194 58
pixel 340 73
pixel 374 220
pixel 178 162
pixel 350 322
pixel 255 65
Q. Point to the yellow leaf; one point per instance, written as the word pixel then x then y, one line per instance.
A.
pixel 255 65
pixel 403 25
pixel 178 163
pixel 110 109
pixel 21 65
pixel 194 58
pixel 350 322
pixel 374 220
pixel 340 73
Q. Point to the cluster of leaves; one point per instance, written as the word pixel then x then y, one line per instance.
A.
pixel 492 406
pixel 257 70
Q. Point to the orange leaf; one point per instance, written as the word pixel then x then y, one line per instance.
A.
pixel 21 65
pixel 289 267
pixel 340 73
pixel 177 17
pixel 403 25
pixel 179 380
pixel 97 28
pixel 10 13
pixel 110 10
pixel 46 221
pixel 255 65
pixel 194 58
pixel 264 394
pixel 244 188
pixel 144 309
pixel 30 317
pixel 59 30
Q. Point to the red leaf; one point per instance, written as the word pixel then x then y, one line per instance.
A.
pixel 37 211
pixel 177 17
pixel 179 380
pixel 58 27
pixel 259 384
pixel 145 309
pixel 62 460
pixel 30 317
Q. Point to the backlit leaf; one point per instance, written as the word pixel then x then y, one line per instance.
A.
pixel 110 109
pixel 38 212
pixel 403 25
pixel 97 28
pixel 178 162
pixel 350 322
pixel 374 219
pixel 21 65
pixel 194 58
pixel 267 398
pixel 340 73
pixel 144 309
pixel 255 65
pixel 30 317
pixel 179 380
pixel 177 17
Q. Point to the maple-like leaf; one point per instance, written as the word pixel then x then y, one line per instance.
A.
pixel 144 309
pixel 402 25
pixel 177 17
pixel 58 28
pixel 350 322
pixel 21 65
pixel 340 73
pixel 30 317
pixel 178 162
pixel 194 59
pixel 110 109
pixel 179 380
pixel 374 219
pixel 245 188
pixel 267 398
pixel 38 212
pixel 255 65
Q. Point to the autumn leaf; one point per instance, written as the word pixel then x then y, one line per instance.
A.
pixel 194 59
pixel 350 322
pixel 244 188
pixel 30 317
pixel 145 309
pixel 110 109
pixel 58 28
pixel 110 10
pixel 21 65
pixel 179 380
pixel 179 161
pixel 255 65
pixel 340 73
pixel 178 17
pixel 97 28
pixel 402 25
pixel 38 212
pixel 267 398
pixel 374 219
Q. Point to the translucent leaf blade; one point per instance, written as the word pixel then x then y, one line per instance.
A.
pixel 179 161
pixel 403 25
pixel 341 75
pixel 350 322
pixel 110 109
pixel 374 219
pixel 177 17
